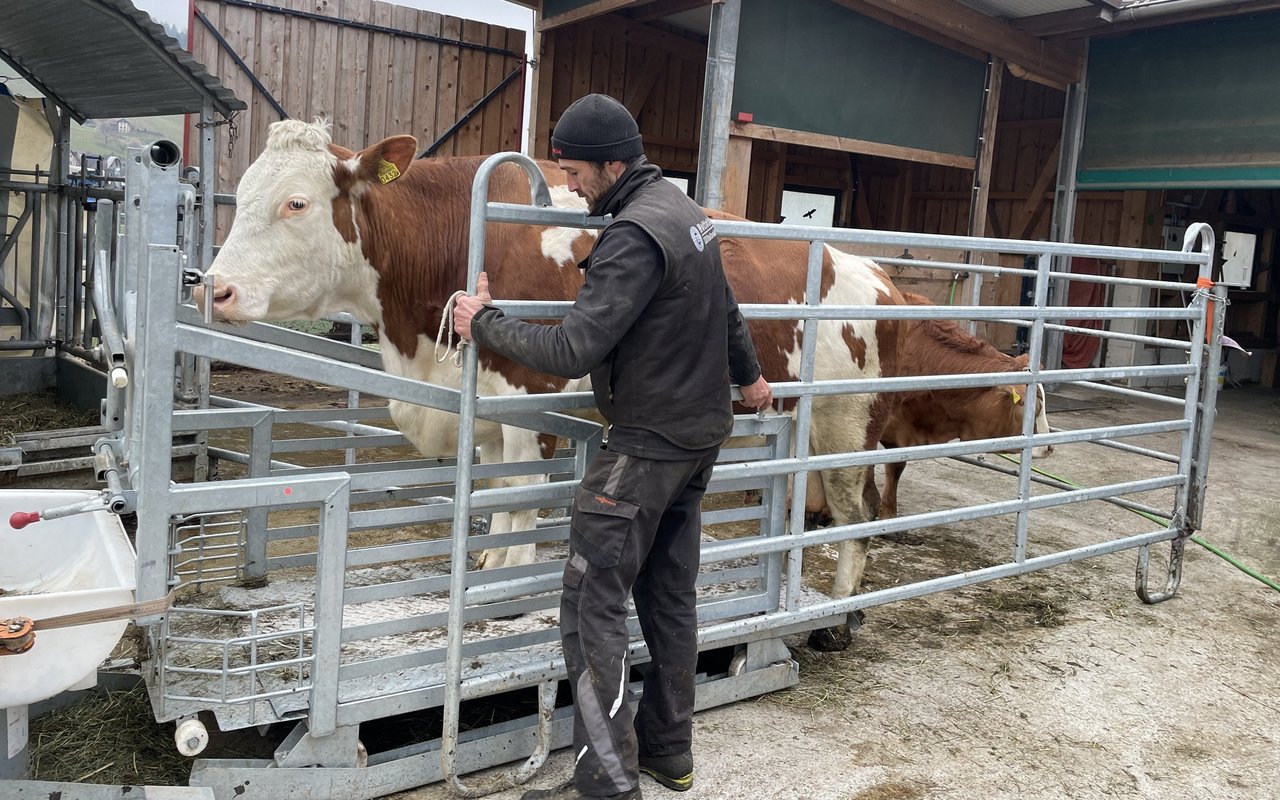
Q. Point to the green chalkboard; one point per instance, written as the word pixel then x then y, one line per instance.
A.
pixel 1196 105
pixel 811 65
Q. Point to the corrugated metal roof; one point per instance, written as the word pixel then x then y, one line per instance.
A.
pixel 105 58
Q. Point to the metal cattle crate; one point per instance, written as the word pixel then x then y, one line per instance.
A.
pixel 328 585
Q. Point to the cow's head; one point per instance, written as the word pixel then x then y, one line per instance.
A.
pixel 1012 398
pixel 294 251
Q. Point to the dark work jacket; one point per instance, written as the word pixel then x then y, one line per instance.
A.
pixel 654 323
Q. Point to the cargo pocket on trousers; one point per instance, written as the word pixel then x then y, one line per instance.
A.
pixel 600 527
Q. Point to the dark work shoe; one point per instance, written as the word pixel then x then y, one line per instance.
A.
pixel 567 791
pixel 673 772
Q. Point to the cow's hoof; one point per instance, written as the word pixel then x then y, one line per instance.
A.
pixel 904 537
pixel 830 640
pixel 818 519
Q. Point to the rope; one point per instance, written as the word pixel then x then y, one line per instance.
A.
pixel 1252 573
pixel 444 336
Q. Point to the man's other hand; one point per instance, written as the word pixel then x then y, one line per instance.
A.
pixel 758 395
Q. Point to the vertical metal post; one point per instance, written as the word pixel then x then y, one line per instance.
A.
pixel 1202 386
pixel 1062 227
pixel 208 186
pixel 353 395
pixel 717 102
pixel 204 236
pixel 255 557
pixel 152 383
pixel 1036 348
pixel 58 177
pixel 975 298
pixel 36 202
pixel 804 413
pixel 151 290
pixel 331 568
pixel 774 500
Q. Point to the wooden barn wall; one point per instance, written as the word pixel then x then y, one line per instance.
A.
pixel 657 73
pixel 368 84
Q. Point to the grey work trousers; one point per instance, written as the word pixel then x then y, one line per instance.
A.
pixel 637 529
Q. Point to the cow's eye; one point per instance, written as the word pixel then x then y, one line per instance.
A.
pixel 295 205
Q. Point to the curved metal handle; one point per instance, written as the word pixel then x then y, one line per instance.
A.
pixel 1172 579
pixel 517 775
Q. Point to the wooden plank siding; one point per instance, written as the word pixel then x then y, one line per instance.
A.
pixel 368 84
pixel 656 70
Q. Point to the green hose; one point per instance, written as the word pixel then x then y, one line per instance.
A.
pixel 1252 573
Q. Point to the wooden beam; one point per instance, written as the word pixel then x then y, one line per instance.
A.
pixel 654 67
pixel 544 49
pixel 986 151
pixel 957 21
pixel 737 175
pixel 1056 23
pixel 664 8
pixel 598 8
pixel 846 145
pixel 1023 219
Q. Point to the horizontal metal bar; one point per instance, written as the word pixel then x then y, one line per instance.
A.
pixel 755 546
pixel 253 492
pixel 1054 275
pixel 338 443
pixel 1127 392
pixel 783 389
pixel 541 309
pixel 762 230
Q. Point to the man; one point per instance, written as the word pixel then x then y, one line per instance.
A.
pixel 658 329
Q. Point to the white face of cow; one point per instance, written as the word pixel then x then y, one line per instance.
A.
pixel 291 253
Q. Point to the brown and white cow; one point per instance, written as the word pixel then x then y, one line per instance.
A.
pixel 941 347
pixel 320 229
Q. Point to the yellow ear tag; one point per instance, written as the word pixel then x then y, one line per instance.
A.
pixel 1017 398
pixel 387 172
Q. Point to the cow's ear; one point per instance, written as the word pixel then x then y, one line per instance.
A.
pixel 387 160
pixel 1022 361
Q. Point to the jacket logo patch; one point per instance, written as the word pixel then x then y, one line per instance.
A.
pixel 606 501
pixel 702 233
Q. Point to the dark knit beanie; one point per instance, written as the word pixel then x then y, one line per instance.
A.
pixel 596 128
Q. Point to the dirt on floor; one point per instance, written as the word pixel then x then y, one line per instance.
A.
pixel 1056 684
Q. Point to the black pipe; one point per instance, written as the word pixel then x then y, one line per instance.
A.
pixel 367 26
pixel 257 84
pixel 471 112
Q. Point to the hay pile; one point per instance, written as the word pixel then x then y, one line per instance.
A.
pixel 39 411
pixel 108 738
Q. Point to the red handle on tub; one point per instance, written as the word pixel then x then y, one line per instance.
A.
pixel 21 519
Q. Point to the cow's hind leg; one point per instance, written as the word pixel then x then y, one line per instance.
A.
pixel 841 486
pixel 851 498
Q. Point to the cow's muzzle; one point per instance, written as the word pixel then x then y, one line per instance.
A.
pixel 224 299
